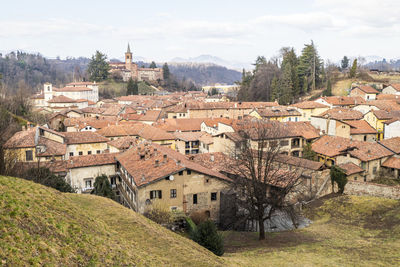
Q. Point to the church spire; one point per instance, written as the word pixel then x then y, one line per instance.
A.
pixel 129 49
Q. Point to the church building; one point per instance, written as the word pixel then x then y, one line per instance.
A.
pixel 130 69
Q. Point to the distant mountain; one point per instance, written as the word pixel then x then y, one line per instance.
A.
pixel 204 73
pixel 215 60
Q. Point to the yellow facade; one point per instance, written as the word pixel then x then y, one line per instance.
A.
pixel 376 123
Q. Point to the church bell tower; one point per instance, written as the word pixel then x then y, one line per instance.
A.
pixel 128 58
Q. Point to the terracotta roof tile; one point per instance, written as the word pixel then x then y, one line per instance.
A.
pixel 341 114
pixel 367 89
pixel 361 127
pixel 392 162
pixel 91 160
pixel 350 168
pixel 61 99
pixel 158 163
pixel 392 144
pixel 309 105
pixel 84 137
pixel 333 146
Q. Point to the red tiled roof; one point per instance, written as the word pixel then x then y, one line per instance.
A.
pixel 333 146
pixel 61 99
pixel 309 105
pixel 367 89
pixel 146 170
pixel 341 114
pixel 350 168
pixel 392 144
pixel 361 127
pixel 84 137
pixel 392 162
pixel 91 160
pixel 344 100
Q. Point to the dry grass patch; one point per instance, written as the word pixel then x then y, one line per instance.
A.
pixel 347 231
pixel 40 226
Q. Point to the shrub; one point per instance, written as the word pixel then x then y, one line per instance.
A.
pixel 207 236
pixel 45 177
pixel 199 217
pixel 159 213
pixel 102 187
pixel 339 177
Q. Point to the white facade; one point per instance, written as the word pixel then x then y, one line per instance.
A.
pixel 390 91
pixel 324 125
pixel 82 179
pixel 392 130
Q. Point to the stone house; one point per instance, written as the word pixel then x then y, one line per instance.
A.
pixel 334 150
pixel 365 91
pixel 150 172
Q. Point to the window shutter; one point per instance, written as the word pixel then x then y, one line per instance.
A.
pixel 160 193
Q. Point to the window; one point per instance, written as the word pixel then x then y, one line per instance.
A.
pixel 155 194
pixel 29 155
pixel 365 138
pixel 195 199
pixel 89 152
pixel 188 172
pixel 180 173
pixel 374 170
pixel 71 154
pixel 173 193
pixel 213 196
pixel 88 183
pixel 80 153
pixel 98 151
pixel 284 143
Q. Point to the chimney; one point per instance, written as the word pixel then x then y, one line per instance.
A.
pixel 143 178
pixel 156 163
pixel 178 162
pixel 212 158
pixel 165 159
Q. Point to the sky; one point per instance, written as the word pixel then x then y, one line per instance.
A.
pixel 236 31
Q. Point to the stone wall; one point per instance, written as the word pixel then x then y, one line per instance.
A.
pixel 371 189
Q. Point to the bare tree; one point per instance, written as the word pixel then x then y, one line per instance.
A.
pixel 262 186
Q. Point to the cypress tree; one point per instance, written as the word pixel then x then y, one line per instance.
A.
pixel 129 87
pixel 353 70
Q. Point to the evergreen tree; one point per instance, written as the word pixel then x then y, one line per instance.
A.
pixel 345 63
pixel 305 84
pixel 275 94
pixel 286 86
pixel 353 70
pixel 290 58
pixel 135 89
pixel 310 66
pixel 206 235
pixel 153 65
pixel 166 73
pixel 308 153
pixel 339 177
pixel 98 67
pixel 130 86
pixel 328 90
pixel 102 187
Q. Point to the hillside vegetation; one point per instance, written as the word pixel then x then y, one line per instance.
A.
pixel 41 226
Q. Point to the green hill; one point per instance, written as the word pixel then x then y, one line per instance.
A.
pixel 41 226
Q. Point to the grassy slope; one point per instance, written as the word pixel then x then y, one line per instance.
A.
pixel 347 231
pixel 119 88
pixel 40 226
